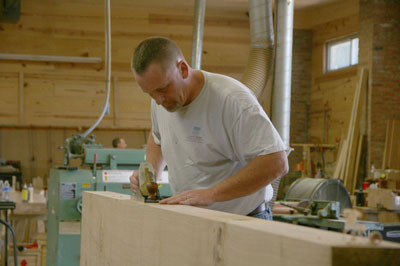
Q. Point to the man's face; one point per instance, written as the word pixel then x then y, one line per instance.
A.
pixel 121 144
pixel 164 86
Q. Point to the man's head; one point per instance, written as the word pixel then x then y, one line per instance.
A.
pixel 158 50
pixel 119 143
pixel 161 71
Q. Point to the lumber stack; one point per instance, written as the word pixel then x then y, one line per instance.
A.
pixel 118 230
pixel 391 154
pixel 351 147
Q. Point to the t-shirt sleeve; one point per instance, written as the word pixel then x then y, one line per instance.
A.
pixel 253 135
pixel 154 124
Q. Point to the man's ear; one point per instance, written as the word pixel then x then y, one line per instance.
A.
pixel 183 68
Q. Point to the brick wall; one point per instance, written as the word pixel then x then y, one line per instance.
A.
pixel 301 85
pixel 384 100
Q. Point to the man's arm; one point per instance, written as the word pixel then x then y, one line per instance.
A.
pixel 257 174
pixel 155 157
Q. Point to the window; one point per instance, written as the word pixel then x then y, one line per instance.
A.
pixel 342 53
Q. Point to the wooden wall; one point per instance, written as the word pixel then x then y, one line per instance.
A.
pixel 331 91
pixel 71 94
pixel 42 103
pixel 330 94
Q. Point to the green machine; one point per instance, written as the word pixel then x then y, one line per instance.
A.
pixel 101 170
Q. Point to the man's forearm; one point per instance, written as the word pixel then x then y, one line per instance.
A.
pixel 154 156
pixel 260 172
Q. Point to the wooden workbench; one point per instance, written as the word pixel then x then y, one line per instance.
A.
pixel 28 218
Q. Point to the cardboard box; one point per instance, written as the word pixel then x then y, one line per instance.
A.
pixel 393 179
pixel 383 198
pixel 25 258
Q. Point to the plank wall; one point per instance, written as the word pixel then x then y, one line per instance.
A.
pixel 71 94
pixel 42 103
pixel 333 91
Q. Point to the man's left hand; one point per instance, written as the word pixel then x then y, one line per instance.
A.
pixel 198 197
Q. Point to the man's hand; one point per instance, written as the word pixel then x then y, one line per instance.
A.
pixel 199 197
pixel 134 181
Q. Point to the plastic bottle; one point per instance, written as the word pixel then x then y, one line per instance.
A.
pixel 372 171
pixel 30 193
pixel 6 191
pixel 1 189
pixel 25 193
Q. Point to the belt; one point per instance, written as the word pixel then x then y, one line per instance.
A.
pixel 262 207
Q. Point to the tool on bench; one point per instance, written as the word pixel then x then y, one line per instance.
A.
pixel 320 208
pixel 147 183
pixel 320 202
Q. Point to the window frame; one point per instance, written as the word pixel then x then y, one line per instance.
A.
pixel 336 41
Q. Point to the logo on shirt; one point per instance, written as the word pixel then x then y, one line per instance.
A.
pixel 195 137
pixel 196 131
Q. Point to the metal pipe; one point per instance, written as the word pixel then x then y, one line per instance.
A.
pixel 259 64
pixel 107 67
pixel 282 77
pixel 283 69
pixel 199 13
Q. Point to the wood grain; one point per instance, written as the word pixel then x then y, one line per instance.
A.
pixel 117 230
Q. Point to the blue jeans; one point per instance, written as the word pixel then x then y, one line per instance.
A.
pixel 266 214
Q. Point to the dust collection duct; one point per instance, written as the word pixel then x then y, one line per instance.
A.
pixel 199 13
pixel 259 63
pixel 107 58
pixel 73 146
pixel 260 59
pixel 283 69
pixel 281 91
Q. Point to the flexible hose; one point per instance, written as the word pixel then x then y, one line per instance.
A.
pixel 107 67
pixel 260 59
pixel 258 69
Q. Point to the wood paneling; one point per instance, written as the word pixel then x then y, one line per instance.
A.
pixel 314 15
pixel 334 90
pixel 72 94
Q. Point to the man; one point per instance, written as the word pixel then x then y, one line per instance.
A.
pixel 221 149
pixel 119 143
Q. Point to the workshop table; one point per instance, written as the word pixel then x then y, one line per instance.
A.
pixel 5 206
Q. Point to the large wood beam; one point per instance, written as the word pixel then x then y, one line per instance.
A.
pixel 118 230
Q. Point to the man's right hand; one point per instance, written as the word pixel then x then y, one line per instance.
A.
pixel 134 181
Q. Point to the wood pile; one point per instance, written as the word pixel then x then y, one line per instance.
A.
pixel 391 154
pixel 350 150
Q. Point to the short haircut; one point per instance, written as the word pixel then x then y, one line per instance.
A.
pixel 155 49
pixel 115 142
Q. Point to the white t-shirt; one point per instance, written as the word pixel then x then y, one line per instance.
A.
pixel 213 137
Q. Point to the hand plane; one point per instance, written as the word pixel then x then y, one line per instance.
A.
pixel 147 183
